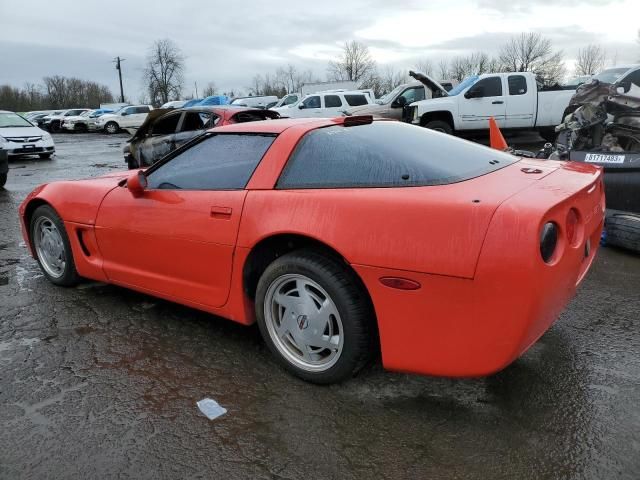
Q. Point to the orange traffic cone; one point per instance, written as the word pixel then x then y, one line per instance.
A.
pixel 497 141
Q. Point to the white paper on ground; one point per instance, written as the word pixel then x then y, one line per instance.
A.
pixel 210 408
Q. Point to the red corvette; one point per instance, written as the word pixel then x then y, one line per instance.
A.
pixel 339 237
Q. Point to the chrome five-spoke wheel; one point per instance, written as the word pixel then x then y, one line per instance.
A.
pixel 49 247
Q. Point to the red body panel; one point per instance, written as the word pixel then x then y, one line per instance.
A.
pixel 485 295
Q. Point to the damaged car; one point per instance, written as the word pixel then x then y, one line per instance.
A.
pixel 603 128
pixel 166 129
pixel 393 104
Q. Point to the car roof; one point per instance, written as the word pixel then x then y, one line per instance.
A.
pixel 276 126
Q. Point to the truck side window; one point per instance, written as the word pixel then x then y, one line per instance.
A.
pixel 633 77
pixel 492 86
pixel 413 94
pixel 332 101
pixel 517 85
pixel 312 102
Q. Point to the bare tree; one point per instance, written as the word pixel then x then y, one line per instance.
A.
pixel 531 52
pixel 163 74
pixel 391 78
pixel 210 89
pixel 355 63
pixel 443 69
pixel 425 66
pixel 590 60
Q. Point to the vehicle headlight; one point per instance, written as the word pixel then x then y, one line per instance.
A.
pixel 46 137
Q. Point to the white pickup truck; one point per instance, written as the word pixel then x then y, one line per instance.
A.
pixel 514 99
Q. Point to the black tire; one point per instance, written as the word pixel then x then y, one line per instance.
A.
pixel 80 128
pixel 54 126
pixel 111 128
pixel 439 126
pixel 45 156
pixel 350 299
pixel 549 134
pixel 3 179
pixel 623 230
pixel 70 275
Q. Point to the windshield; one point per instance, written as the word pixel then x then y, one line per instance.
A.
pixel 390 96
pixel 610 75
pixel 8 120
pixel 467 82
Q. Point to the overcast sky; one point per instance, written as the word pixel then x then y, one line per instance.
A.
pixel 228 42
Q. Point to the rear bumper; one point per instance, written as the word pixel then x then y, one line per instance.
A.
pixel 466 327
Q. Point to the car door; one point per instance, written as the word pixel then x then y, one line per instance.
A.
pixel 127 117
pixel 410 95
pixel 333 106
pixel 161 138
pixel 177 238
pixel 481 101
pixel 309 107
pixel 520 106
pixel 192 125
pixel 139 116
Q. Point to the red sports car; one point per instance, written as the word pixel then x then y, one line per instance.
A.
pixel 339 237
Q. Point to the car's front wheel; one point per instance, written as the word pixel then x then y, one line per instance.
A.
pixel 3 179
pixel 45 156
pixel 51 244
pixel 315 316
pixel 111 128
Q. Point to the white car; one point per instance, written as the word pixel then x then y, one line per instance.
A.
pixel 325 104
pixel 258 101
pixel 288 99
pixel 79 123
pixel 53 123
pixel 18 136
pixel 127 117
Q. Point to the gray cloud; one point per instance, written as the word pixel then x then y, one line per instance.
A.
pixel 526 6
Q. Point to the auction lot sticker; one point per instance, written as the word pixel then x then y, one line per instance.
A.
pixel 601 158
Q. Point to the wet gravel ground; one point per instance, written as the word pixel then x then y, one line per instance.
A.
pixel 101 382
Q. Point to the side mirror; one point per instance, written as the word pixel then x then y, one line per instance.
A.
pixel 137 183
pixel 301 106
pixel 399 102
pixel 124 114
pixel 476 92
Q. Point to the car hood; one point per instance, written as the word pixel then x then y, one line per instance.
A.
pixel 433 102
pixel 21 132
pixel 429 82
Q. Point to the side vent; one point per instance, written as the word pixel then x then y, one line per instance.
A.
pixel 83 246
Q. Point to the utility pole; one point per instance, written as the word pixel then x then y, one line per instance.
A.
pixel 119 68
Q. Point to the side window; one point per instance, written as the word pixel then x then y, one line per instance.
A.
pixel 195 121
pixel 491 87
pixel 633 77
pixel 332 101
pixel 312 102
pixel 355 100
pixel 413 94
pixel 166 125
pixel 517 84
pixel 143 109
pixel 218 162
pixel 290 100
pixel 130 110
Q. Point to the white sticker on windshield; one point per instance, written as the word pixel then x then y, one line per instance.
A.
pixel 603 158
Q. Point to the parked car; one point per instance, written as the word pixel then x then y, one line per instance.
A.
pixel 131 116
pixel 174 104
pixel 83 122
pixel 316 230
pixel 393 103
pixel 325 104
pixel 37 119
pixel 514 99
pixel 20 137
pixel 53 122
pixel 256 102
pixel 288 99
pixel 166 129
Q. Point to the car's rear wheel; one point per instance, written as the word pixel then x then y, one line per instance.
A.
pixel 111 128
pixel 51 244
pixel 439 126
pixel 314 316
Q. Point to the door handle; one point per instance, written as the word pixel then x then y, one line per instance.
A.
pixel 221 212
pixel 497 102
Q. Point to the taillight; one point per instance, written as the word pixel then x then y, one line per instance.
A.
pixel 548 241
pixel 573 220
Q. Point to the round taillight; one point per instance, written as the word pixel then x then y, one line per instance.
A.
pixel 548 241
pixel 572 226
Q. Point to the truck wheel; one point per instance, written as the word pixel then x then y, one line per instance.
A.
pixel 549 134
pixel 623 230
pixel 111 128
pixel 3 179
pixel 439 126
